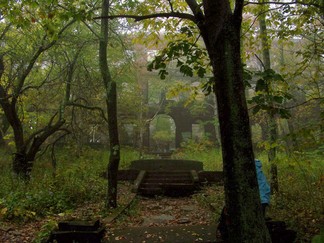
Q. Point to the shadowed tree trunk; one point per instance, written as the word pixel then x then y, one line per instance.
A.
pixel 220 28
pixel 111 101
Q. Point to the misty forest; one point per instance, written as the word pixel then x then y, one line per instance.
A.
pixel 125 116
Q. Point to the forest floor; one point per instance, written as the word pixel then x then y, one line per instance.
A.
pixel 141 212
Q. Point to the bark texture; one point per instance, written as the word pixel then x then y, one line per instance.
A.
pixel 220 28
pixel 111 101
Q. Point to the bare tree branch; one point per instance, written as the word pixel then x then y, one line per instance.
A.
pixel 36 133
pixel 151 16
pixel 36 86
pixel 92 31
pixel 171 6
pixel 259 59
pixel 39 140
pixel 93 108
pixel 56 140
pixel 256 18
pixel 287 3
pixel 304 103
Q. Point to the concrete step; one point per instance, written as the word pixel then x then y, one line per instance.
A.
pixel 187 176
pixel 166 185
pixel 165 182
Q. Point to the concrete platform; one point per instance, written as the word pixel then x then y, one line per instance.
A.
pixel 167 234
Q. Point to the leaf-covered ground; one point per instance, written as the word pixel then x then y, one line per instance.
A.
pixel 155 211
pixel 202 208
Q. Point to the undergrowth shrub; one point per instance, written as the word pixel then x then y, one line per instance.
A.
pixel 75 181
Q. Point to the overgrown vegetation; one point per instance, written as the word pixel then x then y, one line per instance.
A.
pixel 74 182
pixel 300 200
pixel 77 182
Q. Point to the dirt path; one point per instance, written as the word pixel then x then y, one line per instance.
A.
pixel 156 211
pixel 164 211
pixel 149 213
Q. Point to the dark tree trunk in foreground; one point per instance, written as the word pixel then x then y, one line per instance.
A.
pixel 220 28
pixel 111 100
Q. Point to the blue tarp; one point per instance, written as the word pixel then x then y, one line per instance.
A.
pixel 264 187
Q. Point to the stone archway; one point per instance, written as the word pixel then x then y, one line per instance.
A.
pixel 183 121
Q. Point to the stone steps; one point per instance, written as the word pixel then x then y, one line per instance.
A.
pixel 167 182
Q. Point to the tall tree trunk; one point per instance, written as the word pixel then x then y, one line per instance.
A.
pixel 272 124
pixel 111 101
pixel 239 169
pixel 220 29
